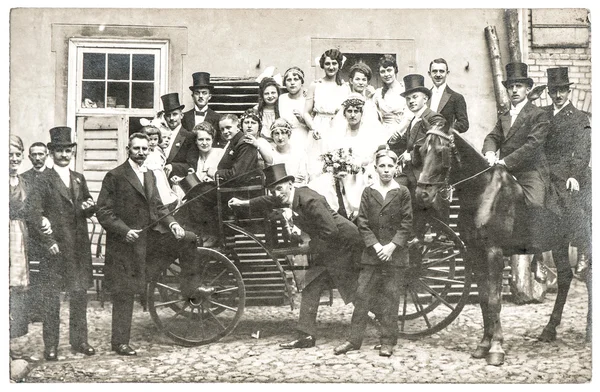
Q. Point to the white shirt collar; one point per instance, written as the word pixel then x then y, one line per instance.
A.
pixel 517 109
pixel 556 110
pixel 439 90
pixel 420 112
pixel 377 186
pixel 40 170
pixel 64 173
pixel 203 110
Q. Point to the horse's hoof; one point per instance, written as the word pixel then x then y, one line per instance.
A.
pixel 480 352
pixel 547 336
pixel 495 359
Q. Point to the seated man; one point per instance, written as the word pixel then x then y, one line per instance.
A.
pixel 519 137
pixel 335 243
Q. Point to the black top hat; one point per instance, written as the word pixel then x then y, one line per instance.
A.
pixel 191 186
pixel 201 79
pixel 558 77
pixel 415 82
pixel 60 137
pixel 275 174
pixel 516 72
pixel 171 102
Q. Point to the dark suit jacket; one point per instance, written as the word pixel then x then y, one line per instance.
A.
pixel 568 151
pixel 239 157
pixel 183 154
pixel 384 221
pixel 333 239
pixel 71 269
pixel 35 250
pixel 454 109
pixel 212 117
pixel 123 204
pixel 412 140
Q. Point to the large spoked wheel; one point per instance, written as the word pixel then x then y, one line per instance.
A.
pixel 438 283
pixel 203 310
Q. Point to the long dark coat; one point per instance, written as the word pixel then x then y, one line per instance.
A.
pixel 183 154
pixel 35 248
pixel 71 269
pixel 454 109
pixel 123 204
pixel 522 148
pixel 384 221
pixel 334 240
pixel 212 117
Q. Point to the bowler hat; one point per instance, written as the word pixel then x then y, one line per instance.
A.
pixel 171 102
pixel 415 82
pixel 201 80
pixel 516 72
pixel 60 137
pixel 190 185
pixel 558 77
pixel 275 174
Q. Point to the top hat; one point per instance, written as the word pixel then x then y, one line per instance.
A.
pixel 558 77
pixel 60 137
pixel 516 72
pixel 415 82
pixel 275 174
pixel 171 102
pixel 201 80
pixel 191 186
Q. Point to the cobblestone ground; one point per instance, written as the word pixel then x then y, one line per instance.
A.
pixel 440 358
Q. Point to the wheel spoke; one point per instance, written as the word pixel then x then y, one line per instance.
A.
pixel 217 277
pixel 180 312
pixel 168 303
pixel 444 280
pixel 435 294
pixel 226 290
pixel 216 319
pixel 419 307
pixel 222 305
pixel 166 286
pixel 433 262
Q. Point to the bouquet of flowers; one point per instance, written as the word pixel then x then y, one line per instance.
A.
pixel 340 162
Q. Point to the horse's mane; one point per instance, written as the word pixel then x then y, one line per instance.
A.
pixel 469 154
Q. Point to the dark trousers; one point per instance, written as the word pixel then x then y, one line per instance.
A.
pixel 162 250
pixel 386 283
pixel 77 317
pixel 309 305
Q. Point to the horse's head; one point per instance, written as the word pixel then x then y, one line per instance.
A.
pixel 438 154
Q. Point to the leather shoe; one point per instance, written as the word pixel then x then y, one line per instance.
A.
pixel 386 350
pixel 344 348
pixel 303 342
pixel 84 348
pixel 123 349
pixel 51 354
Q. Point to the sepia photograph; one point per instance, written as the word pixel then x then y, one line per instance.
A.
pixel 276 193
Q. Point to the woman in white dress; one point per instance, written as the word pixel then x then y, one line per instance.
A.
pixel 267 108
pixel 391 106
pixel 323 101
pixel 285 152
pixel 359 77
pixel 291 106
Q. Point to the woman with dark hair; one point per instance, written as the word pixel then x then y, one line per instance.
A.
pixel 359 77
pixel 391 106
pixel 251 125
pixel 293 156
pixel 291 106
pixel 209 156
pixel 267 108
pixel 323 101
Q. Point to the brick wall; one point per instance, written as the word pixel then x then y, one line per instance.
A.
pixel 579 61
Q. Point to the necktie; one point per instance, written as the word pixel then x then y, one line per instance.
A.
pixel 339 193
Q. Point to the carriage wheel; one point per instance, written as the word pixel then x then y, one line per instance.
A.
pixel 438 283
pixel 211 312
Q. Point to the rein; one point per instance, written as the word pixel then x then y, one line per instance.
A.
pixel 446 191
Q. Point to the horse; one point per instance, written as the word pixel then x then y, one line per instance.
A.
pixel 491 205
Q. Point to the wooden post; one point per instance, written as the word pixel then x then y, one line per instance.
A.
pixel 502 102
pixel 511 19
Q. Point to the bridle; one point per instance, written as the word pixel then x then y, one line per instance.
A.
pixel 446 190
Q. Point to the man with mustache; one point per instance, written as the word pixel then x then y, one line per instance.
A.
pixel 182 153
pixel 62 196
pixel 519 137
pixel 201 94
pixel 446 101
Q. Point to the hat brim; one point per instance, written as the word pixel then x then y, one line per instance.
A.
pixel 177 108
pixel 424 90
pixel 51 145
pixel 559 84
pixel 283 179
pixel 208 86
pixel 529 81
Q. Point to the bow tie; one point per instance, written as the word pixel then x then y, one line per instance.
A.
pixel 198 113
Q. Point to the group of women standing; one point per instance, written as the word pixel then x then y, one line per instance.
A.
pixel 305 124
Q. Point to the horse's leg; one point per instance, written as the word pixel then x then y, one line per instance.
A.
pixel 565 275
pixel 495 262
pixel 480 269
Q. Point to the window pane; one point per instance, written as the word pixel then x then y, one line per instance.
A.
pixel 118 66
pixel 92 94
pixel 94 65
pixel 143 67
pixel 117 95
pixel 142 95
